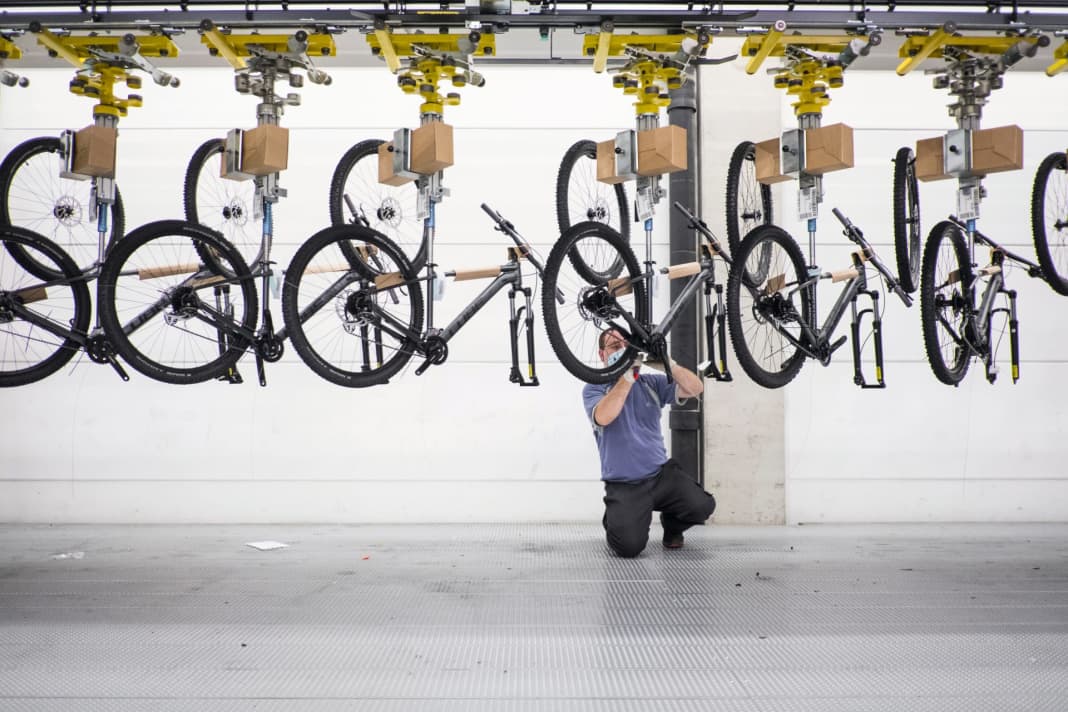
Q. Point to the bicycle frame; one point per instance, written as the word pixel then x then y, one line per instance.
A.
pixel 652 337
pixel 432 343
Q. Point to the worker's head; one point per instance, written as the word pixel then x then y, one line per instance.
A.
pixel 611 346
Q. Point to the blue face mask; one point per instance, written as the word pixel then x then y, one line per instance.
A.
pixel 614 357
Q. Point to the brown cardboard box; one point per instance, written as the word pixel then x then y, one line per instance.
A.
pixel 606 162
pixel 930 159
pixel 94 151
pixel 265 150
pixel 998 149
pixel 385 167
pixel 431 148
pixel 661 150
pixel 828 148
pixel 769 162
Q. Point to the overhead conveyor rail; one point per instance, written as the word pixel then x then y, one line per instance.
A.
pixel 728 17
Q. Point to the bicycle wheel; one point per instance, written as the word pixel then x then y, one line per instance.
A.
pixel 577 310
pixel 37 319
pixel 1049 220
pixel 748 204
pixel 765 322
pixel 907 220
pixel 34 197
pixel 225 206
pixel 353 322
pixel 580 197
pixel 169 314
pixel 945 302
pixel 357 198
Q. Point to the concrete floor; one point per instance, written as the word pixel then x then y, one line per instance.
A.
pixel 533 617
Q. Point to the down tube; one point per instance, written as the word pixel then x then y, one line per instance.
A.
pixel 477 303
pixel 682 300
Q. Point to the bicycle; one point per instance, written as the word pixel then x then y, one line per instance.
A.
pixel 577 309
pixel 957 327
pixel 356 316
pixel 772 335
pixel 178 300
pixel 41 187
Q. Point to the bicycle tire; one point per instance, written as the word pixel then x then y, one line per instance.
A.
pixel 155 294
pixel 321 334
pixel 580 197
pixel 392 211
pixel 31 353
pixel 907 220
pixel 745 210
pixel 221 205
pixel 935 301
pixel 750 305
pixel 33 196
pixel 1051 246
pixel 588 307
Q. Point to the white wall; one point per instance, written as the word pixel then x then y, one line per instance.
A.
pixel 462 444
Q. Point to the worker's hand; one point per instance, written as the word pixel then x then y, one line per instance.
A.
pixel 631 374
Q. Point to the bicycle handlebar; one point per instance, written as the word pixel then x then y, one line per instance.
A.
pixel 853 233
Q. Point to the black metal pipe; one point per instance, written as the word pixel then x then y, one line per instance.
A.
pixel 685 420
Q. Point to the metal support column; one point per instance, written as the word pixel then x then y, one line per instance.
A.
pixel 685 420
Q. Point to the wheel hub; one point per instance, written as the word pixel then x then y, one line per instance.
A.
pixel 67 210
pixel 599 211
pixel 184 304
pixel 354 309
pixel 235 212
pixel 390 212
pixel 774 307
pixel 596 304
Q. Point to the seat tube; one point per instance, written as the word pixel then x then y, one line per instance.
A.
pixel 812 269
pixel 429 224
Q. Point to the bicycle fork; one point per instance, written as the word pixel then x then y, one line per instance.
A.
pixel 513 329
pixel 877 339
pixel 1014 339
pixel 715 335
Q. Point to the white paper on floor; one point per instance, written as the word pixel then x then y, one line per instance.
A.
pixel 70 555
pixel 266 545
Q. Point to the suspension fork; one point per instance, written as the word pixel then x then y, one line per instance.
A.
pixel 650 275
pixel 715 334
pixel 515 376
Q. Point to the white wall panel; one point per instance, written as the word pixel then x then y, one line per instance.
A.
pixel 462 444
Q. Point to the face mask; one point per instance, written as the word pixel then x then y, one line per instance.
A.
pixel 614 357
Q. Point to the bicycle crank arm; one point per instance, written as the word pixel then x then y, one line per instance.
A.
pixel 118 367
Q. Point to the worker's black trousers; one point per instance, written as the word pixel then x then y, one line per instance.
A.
pixel 629 507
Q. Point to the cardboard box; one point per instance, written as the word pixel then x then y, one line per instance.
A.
pixel 606 163
pixel 769 162
pixel 661 150
pixel 265 150
pixel 431 148
pixel 996 150
pixel 386 173
pixel 931 159
pixel 828 148
pixel 94 151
